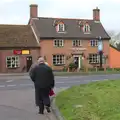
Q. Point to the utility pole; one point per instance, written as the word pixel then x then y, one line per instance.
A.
pixel 100 50
pixel 101 56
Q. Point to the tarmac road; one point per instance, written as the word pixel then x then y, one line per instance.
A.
pixel 17 95
pixel 24 82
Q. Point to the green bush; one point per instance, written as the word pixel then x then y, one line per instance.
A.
pixel 91 69
pixel 72 65
pixel 64 69
pixel 109 69
pixel 116 69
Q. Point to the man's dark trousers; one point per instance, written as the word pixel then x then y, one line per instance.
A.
pixel 42 98
pixel 36 97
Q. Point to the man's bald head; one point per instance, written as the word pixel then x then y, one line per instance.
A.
pixel 41 60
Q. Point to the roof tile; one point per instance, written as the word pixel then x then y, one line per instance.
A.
pixel 17 36
pixel 47 29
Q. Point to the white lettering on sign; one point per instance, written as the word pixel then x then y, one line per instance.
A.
pixel 78 49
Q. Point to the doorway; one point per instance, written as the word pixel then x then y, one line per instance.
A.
pixel 77 60
pixel 28 62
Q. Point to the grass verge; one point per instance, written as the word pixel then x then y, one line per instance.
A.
pixel 94 101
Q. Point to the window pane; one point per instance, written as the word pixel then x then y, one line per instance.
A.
pixel 73 42
pixel 8 65
pixel 61 27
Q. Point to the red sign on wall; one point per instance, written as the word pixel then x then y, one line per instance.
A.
pixel 17 52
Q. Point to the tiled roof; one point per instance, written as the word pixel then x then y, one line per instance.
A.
pixel 17 36
pixel 46 28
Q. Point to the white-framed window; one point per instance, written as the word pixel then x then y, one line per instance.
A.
pixel 86 28
pixel 76 43
pixel 93 58
pixel 58 43
pixel 58 59
pixel 93 43
pixel 12 62
pixel 61 27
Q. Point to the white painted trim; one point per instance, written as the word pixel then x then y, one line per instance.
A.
pixel 37 39
pixel 79 62
pixel 58 41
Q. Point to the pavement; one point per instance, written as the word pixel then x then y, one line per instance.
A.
pixel 17 95
pixel 19 105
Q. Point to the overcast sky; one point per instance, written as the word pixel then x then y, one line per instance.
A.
pixel 17 11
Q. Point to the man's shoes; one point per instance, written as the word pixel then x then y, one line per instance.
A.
pixel 48 109
pixel 40 112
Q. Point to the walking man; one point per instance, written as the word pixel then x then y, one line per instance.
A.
pixel 43 79
pixel 30 74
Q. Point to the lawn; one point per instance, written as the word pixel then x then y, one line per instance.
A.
pixel 93 101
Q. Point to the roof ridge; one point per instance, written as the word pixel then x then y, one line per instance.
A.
pixel 13 25
pixel 64 18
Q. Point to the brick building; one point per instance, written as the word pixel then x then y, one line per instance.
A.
pixel 60 38
pixel 18 48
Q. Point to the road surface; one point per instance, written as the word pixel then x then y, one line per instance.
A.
pixel 24 82
pixel 17 95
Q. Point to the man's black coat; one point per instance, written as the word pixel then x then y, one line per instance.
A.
pixel 42 76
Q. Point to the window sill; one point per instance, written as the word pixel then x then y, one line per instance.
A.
pixel 59 47
pixel 93 46
pixel 59 65
pixel 94 63
pixel 62 32
pixel 13 68
pixel 78 46
pixel 87 32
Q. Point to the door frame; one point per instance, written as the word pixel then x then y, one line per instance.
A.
pixel 27 57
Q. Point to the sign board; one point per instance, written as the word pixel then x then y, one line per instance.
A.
pixel 100 45
pixel 17 52
pixel 25 52
pixel 78 49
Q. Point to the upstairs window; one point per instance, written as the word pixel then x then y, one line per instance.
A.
pixel 61 27
pixel 93 43
pixel 86 28
pixel 76 43
pixel 58 43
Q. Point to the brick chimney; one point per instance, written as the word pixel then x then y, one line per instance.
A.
pixel 33 10
pixel 96 14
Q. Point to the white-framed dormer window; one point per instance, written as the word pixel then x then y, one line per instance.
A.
pixel 76 43
pixel 86 28
pixel 61 27
pixel 93 43
pixel 58 43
